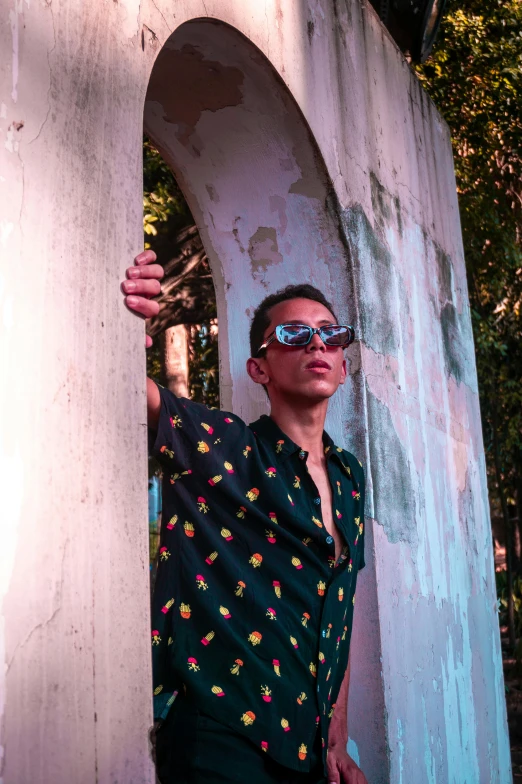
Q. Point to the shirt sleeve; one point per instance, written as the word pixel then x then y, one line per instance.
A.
pixel 182 426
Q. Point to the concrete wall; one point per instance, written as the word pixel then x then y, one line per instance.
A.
pixel 307 151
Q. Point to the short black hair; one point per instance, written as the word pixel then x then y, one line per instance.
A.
pixel 261 318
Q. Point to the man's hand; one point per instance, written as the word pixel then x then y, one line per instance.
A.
pixel 342 769
pixel 143 282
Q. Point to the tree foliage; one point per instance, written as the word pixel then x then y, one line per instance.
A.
pixel 475 78
pixel 188 295
pixel 204 364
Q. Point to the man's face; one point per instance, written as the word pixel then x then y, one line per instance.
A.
pixel 311 372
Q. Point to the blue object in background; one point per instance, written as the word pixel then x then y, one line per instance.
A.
pixel 154 500
pixel 154 497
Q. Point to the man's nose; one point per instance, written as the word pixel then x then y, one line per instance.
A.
pixel 316 343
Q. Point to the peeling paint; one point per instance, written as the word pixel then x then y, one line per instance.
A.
pixel 429 761
pixel 213 195
pixel 263 251
pixel 197 85
pixel 130 22
pixel 11 144
pixel 286 164
pixel 278 205
pixel 310 188
pixel 400 744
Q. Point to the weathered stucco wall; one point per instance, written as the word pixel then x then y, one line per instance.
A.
pixel 307 151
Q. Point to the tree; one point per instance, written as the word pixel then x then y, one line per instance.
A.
pixel 475 78
pixel 188 297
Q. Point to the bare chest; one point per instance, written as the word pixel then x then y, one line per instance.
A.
pixel 319 475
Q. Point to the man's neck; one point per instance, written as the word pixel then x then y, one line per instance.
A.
pixel 303 424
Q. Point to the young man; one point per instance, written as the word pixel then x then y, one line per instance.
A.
pixel 262 538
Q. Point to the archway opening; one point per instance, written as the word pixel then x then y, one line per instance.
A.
pixel 258 188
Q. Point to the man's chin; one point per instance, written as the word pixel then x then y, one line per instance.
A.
pixel 320 386
pixel 313 393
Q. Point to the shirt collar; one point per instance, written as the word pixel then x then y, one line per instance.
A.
pixel 273 437
pixel 282 445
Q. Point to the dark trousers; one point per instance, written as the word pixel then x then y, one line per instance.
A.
pixel 193 748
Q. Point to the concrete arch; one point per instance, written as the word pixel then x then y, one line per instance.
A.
pixel 254 178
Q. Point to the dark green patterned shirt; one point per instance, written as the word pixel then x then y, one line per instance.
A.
pixel 252 616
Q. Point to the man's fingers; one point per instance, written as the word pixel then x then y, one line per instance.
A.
pixel 350 773
pixel 145 307
pixel 145 257
pixel 143 288
pixel 143 282
pixel 333 772
pixel 150 271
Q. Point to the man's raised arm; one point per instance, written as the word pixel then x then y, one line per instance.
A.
pixel 143 282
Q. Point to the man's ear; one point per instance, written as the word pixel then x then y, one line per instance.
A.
pixel 343 373
pixel 256 372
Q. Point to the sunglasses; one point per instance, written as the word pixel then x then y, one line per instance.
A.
pixel 334 335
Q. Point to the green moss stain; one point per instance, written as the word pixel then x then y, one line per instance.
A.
pixel 372 263
pixel 394 495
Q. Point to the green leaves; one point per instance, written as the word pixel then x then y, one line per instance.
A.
pixel 163 201
pixel 475 78
pixel 188 295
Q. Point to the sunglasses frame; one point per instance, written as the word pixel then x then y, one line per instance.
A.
pixel 276 335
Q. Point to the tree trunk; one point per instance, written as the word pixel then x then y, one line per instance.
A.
pixel 518 485
pixel 174 360
pixel 507 525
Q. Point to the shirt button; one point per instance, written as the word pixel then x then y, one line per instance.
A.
pixel 317 501
pixel 329 539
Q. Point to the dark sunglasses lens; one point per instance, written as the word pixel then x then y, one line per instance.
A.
pixel 294 334
pixel 336 335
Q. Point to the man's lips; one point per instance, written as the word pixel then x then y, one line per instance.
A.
pixel 317 364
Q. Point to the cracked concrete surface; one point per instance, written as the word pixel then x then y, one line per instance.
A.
pixel 57 601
